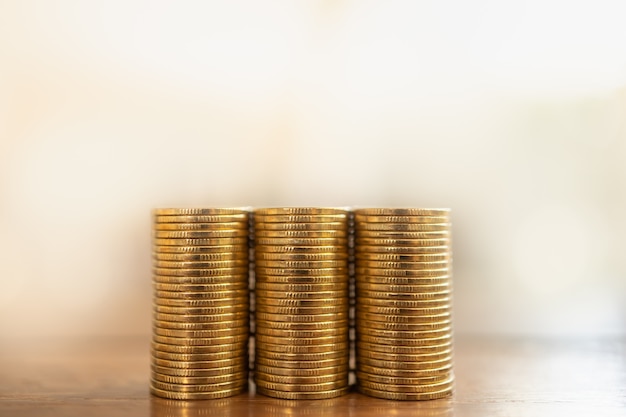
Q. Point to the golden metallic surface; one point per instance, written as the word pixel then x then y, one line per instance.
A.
pixel 200 326
pixel 302 357
pixel 225 218
pixel 201 257
pixel 401 212
pixel 200 373
pixel 262 339
pixel 363 234
pixel 208 280
pixel 386 301
pixel 414 388
pixel 334 263
pixel 321 395
pixel 298 211
pixel 224 286
pixel 403 288
pixel 402 242
pixel 302 279
pixel 291 363
pixel 406 357
pixel 199 388
pixel 362 218
pixel 200 234
pixel 422 340
pixel 417 321
pixel 201 357
pixel 325 225
pixel 305 372
pixel 319 302
pixel 223 318
pixel 207 272
pixel 192 396
pixel 410 312
pixel 327 309
pixel 289 325
pixel 442 372
pixel 302 249
pixel 363 292
pixel 401 350
pixel 403 334
pixel 421 365
pixel 218 241
pixel 300 234
pixel 306 257
pixel 335 331
pixel 267 347
pixel 401 227
pixel 232 308
pixel 199 364
pixel 399 396
pixel 230 263
pixel 398 257
pixel 227 299
pixel 301 271
pixel 162 347
pixel 308 285
pixel 304 241
pixel 297 295
pixel 300 218
pixel 375 279
pixel 244 211
pixel 300 380
pixel 200 337
pixel 234 249
pixel 381 379
pixel 366 325
pixel 309 318
pixel 406 250
pixel 418 273
pixel 240 225
pixel 301 387
pixel 199 380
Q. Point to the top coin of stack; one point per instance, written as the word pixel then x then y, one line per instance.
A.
pixel 403 302
pixel 301 264
pixel 200 333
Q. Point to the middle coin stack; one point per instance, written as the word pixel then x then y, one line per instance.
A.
pixel 302 347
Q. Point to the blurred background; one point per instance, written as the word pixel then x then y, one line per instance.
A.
pixel 511 113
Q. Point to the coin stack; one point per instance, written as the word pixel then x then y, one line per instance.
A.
pixel 301 265
pixel 200 333
pixel 403 283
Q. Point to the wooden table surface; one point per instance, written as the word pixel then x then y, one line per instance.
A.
pixel 496 376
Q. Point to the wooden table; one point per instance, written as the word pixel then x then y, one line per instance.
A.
pixel 496 376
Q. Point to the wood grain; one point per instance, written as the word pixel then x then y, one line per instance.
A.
pixel 496 376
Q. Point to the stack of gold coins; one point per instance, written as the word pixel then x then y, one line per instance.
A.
pixel 403 302
pixel 301 265
pixel 200 333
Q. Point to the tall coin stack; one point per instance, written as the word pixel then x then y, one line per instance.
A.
pixel 200 326
pixel 403 290
pixel 301 265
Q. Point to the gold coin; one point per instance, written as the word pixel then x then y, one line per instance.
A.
pixel 303 257
pixel 280 302
pixel 402 227
pixel 373 279
pixel 202 303
pixel 298 364
pixel 318 283
pixel 443 372
pixel 301 387
pixel 322 395
pixel 201 257
pixel 201 264
pixel 298 286
pixel 262 339
pixel 227 286
pixel 199 388
pixel 199 380
pixel 402 396
pixel 380 379
pixel 364 292
pixel 200 373
pixel 401 341
pixel 311 295
pixel 196 295
pixel 300 380
pixel 229 347
pixel 403 334
pixel 192 396
pixel 404 250
pixel 406 357
pixel 196 234
pixel 302 218
pixel 216 325
pixel 360 218
pixel 313 241
pixel 218 241
pixel 301 271
pixel 309 318
pixel 241 249
pixel 402 350
pixel 220 338
pixel 393 319
pixel 401 212
pixel 418 273
pixel 368 234
pixel 301 356
pixel 336 263
pixel 200 211
pixel 401 312
pixel 426 323
pixel 218 279
pixel 326 225
pixel 288 325
pixel 400 257
pixel 391 288
pixel 371 241
pixel 385 300
pixel 328 309
pixel 201 357
pixel 307 372
pixel 300 234
pixel 302 349
pixel 301 249
pixel 207 272
pixel 421 388
pixel 240 225
pixel 298 211
pixel 421 365
pixel 208 331
pixel 226 218
pixel 338 331
pixel 198 364
pixel 202 310
pixel 202 318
